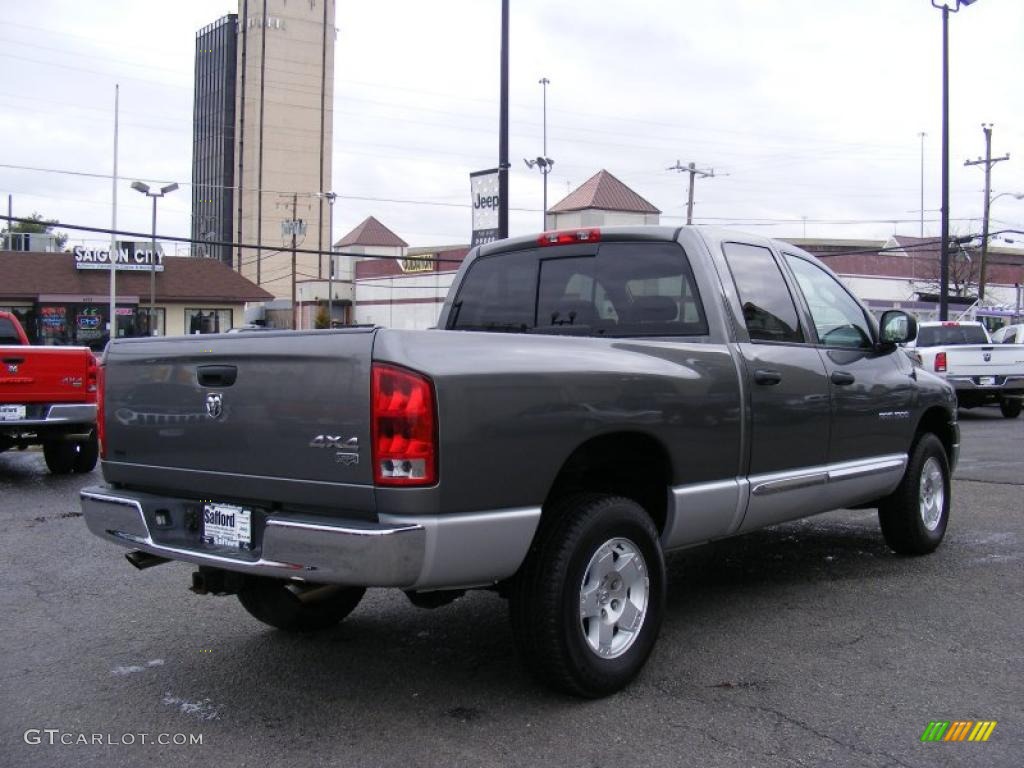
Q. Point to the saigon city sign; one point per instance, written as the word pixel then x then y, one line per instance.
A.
pixel 130 257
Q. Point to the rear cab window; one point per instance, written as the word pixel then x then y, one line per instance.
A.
pixel 8 333
pixel 622 289
pixel 950 335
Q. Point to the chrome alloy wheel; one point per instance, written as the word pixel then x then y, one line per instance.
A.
pixel 932 493
pixel 613 598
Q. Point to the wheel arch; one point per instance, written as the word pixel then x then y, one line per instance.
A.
pixel 630 464
pixel 939 422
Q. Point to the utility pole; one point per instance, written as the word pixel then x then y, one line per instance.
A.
pixel 988 162
pixel 295 212
pixel 694 171
pixel 294 227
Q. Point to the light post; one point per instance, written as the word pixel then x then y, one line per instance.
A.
pixel 922 134
pixel 946 6
pixel 543 162
pixel 330 197
pixel 138 186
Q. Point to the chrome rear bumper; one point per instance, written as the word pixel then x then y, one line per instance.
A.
pixel 412 552
pixel 345 552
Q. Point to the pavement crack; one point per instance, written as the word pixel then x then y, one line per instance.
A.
pixel 827 737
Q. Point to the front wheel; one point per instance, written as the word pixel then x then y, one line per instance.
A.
pixel 296 606
pixel 915 516
pixel 1010 408
pixel 587 604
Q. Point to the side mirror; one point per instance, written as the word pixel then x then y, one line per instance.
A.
pixel 896 327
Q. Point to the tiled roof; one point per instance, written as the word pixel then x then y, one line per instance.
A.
pixel 29 275
pixel 606 193
pixel 372 232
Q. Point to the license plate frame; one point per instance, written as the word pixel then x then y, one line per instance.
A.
pixel 12 412
pixel 227 526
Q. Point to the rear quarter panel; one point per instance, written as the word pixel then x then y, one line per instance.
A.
pixel 512 408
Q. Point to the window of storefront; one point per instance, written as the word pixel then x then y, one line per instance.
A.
pixel 207 320
pixel 83 325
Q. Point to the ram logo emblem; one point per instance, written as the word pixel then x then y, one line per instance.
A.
pixel 214 405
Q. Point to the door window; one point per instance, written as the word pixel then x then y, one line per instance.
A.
pixel 768 307
pixel 838 318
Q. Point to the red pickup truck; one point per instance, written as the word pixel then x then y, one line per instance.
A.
pixel 48 397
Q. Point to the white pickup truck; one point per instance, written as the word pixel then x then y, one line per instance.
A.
pixel 982 372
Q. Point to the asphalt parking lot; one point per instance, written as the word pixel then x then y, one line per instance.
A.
pixel 806 644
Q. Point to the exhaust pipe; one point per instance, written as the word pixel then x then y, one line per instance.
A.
pixel 143 560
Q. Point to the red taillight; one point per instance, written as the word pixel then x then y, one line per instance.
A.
pixel 940 362
pixel 570 237
pixel 100 411
pixel 404 427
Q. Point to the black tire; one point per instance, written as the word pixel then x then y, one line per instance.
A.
pixel 1010 408
pixel 910 524
pixel 88 453
pixel 60 456
pixel 545 596
pixel 298 607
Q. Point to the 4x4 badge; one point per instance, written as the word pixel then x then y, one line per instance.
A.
pixel 214 405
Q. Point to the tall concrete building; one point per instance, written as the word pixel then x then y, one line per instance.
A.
pixel 213 138
pixel 285 93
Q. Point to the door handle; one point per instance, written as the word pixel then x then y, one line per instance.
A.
pixel 216 375
pixel 766 377
pixel 842 378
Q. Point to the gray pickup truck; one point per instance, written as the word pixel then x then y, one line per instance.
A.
pixel 590 400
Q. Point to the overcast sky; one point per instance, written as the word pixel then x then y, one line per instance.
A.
pixel 805 109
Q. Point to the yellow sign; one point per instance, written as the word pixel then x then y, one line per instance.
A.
pixel 423 263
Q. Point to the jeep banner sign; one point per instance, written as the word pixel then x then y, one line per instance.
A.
pixel 484 193
pixel 130 256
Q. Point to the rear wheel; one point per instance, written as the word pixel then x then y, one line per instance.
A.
pixel 87 454
pixel 298 607
pixel 1010 408
pixel 915 516
pixel 60 456
pixel 587 604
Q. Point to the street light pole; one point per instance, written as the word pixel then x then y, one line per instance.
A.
pixel 503 164
pixel 944 227
pixel 546 168
pixel 944 243
pixel 922 135
pixel 138 186
pixel 152 272
pixel 543 163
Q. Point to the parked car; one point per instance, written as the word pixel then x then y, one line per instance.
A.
pixel 983 373
pixel 1009 334
pixel 48 397
pixel 590 400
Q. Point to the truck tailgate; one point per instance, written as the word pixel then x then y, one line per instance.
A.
pixel 985 360
pixel 46 375
pixel 282 416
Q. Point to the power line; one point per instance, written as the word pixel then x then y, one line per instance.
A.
pixel 228 244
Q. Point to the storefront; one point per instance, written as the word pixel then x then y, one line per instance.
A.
pixel 61 302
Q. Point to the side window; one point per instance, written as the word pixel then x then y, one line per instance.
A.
pixel 768 308
pixel 838 318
